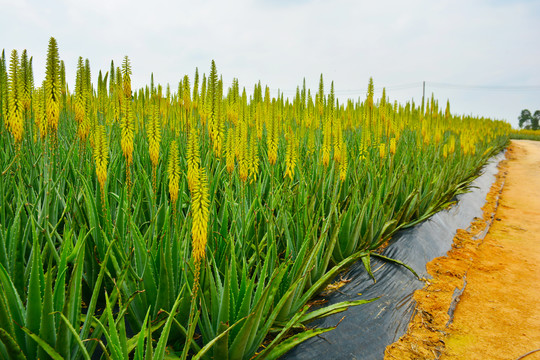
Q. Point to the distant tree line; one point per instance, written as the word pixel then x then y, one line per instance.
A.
pixel 528 120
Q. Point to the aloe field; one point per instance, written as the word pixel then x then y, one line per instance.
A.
pixel 525 134
pixel 200 221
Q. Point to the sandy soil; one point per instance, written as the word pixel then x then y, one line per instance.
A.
pixel 497 314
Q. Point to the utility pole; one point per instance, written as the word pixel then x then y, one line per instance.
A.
pixel 423 94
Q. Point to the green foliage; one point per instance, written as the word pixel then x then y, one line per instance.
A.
pixel 83 271
pixel 3 91
pixel 53 85
pixel 529 121
pixel 525 134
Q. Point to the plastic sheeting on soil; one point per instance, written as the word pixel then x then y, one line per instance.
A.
pixel 368 329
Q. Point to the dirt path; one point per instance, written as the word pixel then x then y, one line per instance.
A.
pixel 498 313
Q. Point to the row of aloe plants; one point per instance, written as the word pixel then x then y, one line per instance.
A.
pixel 198 224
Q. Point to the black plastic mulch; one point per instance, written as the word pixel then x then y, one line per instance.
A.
pixel 368 329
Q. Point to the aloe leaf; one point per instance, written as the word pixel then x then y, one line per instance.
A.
pixel 14 306
pixel 6 321
pixel 3 251
pixel 212 342
pixel 396 262
pixel 139 350
pixel 149 346
pixel 59 295
pixel 95 294
pixel 121 325
pixel 367 265
pixel 271 318
pixel 72 307
pixel 250 328
pixel 326 278
pixel 113 331
pixel 76 336
pixel 162 343
pixel 193 319
pixel 12 347
pixel 33 306
pixel 113 298
pixel 163 294
pixel 221 350
pixel 292 322
pixel 48 349
pixel 114 348
pixel 332 309
pixel 16 257
pixel 179 327
pixel 293 341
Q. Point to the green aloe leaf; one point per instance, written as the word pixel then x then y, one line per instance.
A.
pixel 72 308
pixel 162 343
pixel 12 306
pixel 293 341
pixel 75 336
pixel 48 349
pixel 47 328
pixel 33 306
pixel 332 309
pixel 12 347
pixel 141 336
pixel 395 261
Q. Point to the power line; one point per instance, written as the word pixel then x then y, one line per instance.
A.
pixel 441 85
pixel 423 85
pixel 503 88
pixel 379 88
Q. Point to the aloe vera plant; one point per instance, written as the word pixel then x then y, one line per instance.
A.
pixel 144 223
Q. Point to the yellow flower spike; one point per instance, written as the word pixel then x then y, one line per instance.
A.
pixel 452 145
pixel 193 158
pixel 15 108
pixel 291 155
pixel 243 145
pixel 39 111
pixel 259 120
pixel 382 150
pixel 243 161
pixel 26 83
pixel 343 164
pixel 127 123
pixel 393 146
pixel 199 210
pixel 230 151
pixel 173 172
pixel 153 132
pixel 101 154
pixel 253 160
pixel 127 127
pixel 52 86
pixel 325 155
pixel 272 136
pixel 338 142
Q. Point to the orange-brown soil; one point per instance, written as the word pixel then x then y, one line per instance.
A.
pixel 498 312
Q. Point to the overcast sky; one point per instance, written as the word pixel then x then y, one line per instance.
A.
pixel 483 55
